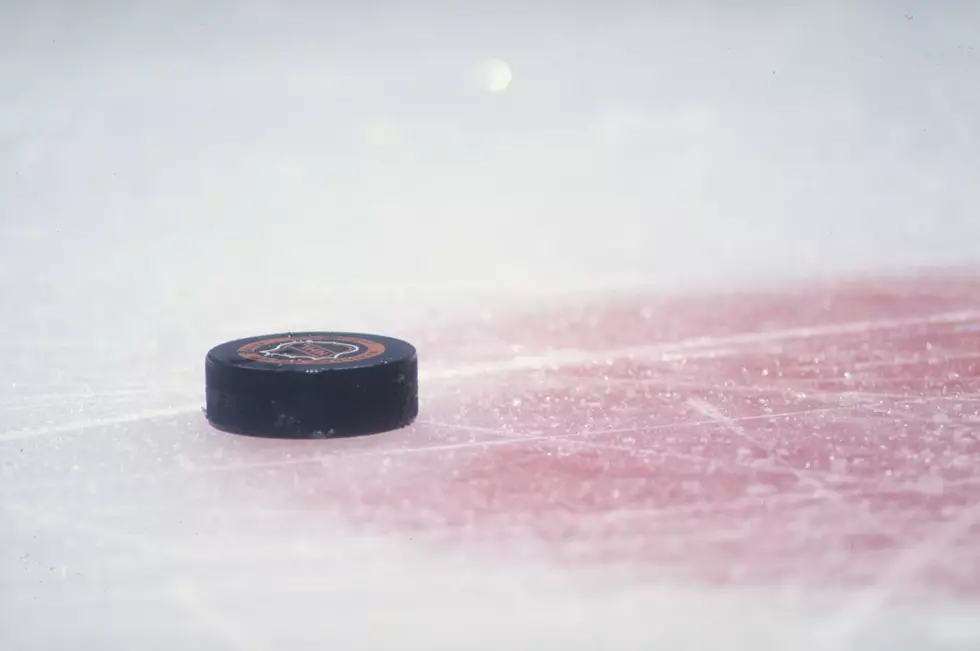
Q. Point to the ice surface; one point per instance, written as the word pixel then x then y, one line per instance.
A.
pixel 697 298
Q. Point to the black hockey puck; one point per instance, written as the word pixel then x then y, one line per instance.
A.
pixel 311 385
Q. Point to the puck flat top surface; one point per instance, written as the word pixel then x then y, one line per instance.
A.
pixel 312 384
pixel 311 351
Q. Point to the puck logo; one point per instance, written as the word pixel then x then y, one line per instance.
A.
pixel 314 349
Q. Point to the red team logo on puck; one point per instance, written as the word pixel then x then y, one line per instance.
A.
pixel 333 349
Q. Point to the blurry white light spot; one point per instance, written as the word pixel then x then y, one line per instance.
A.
pixel 495 75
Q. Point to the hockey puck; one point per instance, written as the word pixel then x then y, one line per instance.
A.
pixel 311 385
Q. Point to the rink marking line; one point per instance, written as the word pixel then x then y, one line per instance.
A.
pixel 500 438
pixel 78 425
pixel 315 459
pixel 560 359
pixel 683 349
pixel 44 398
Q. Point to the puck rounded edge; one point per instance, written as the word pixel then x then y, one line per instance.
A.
pixel 311 385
